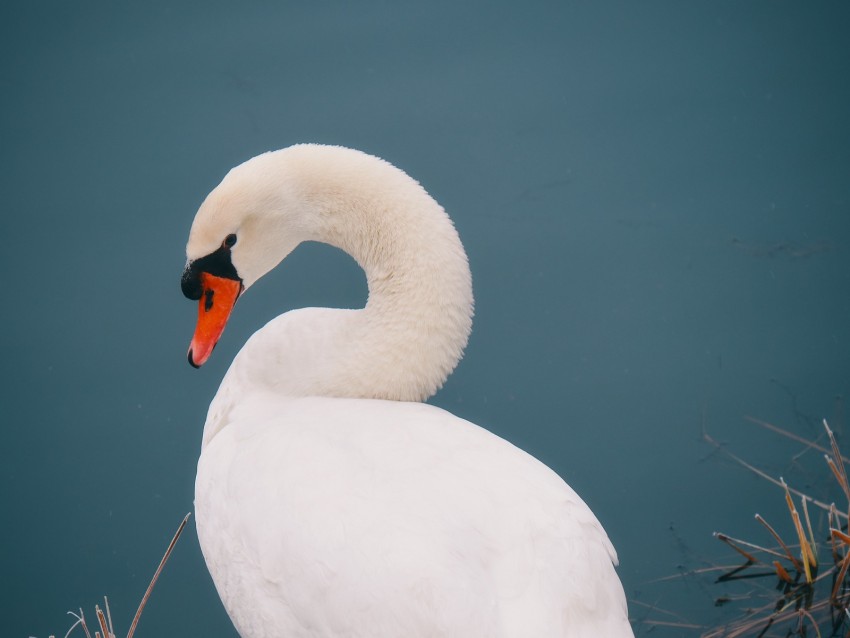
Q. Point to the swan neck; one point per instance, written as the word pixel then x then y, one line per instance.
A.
pixel 417 319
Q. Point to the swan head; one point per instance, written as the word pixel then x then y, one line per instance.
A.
pixel 243 229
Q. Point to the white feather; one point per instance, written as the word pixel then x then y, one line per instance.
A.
pixel 329 502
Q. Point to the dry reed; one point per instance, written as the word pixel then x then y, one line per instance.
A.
pixel 104 627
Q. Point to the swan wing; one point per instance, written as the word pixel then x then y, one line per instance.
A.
pixel 340 517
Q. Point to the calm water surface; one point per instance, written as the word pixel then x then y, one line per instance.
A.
pixel 655 198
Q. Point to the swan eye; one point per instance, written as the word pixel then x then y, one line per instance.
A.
pixel 229 241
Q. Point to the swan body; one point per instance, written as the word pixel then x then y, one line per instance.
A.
pixel 330 502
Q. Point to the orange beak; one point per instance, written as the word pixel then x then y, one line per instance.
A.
pixel 219 295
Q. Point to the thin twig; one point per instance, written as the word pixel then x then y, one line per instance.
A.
pixel 101 619
pixel 108 615
pixel 734 543
pixel 783 573
pixel 811 540
pixel 837 533
pixel 782 544
pixel 839 475
pixel 156 575
pixel 808 615
pixel 840 578
pixel 74 626
pixel 790 435
pixel 809 559
pixel 82 618
pixel 766 476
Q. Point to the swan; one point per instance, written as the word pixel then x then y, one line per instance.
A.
pixel 330 501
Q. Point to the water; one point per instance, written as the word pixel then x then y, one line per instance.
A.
pixel 655 200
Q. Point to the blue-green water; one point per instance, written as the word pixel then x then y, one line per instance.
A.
pixel 655 199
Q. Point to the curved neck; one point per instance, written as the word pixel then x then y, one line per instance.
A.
pixel 418 317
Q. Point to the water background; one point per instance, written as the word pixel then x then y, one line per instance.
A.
pixel 654 196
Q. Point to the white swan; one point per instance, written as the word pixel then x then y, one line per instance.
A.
pixel 329 501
